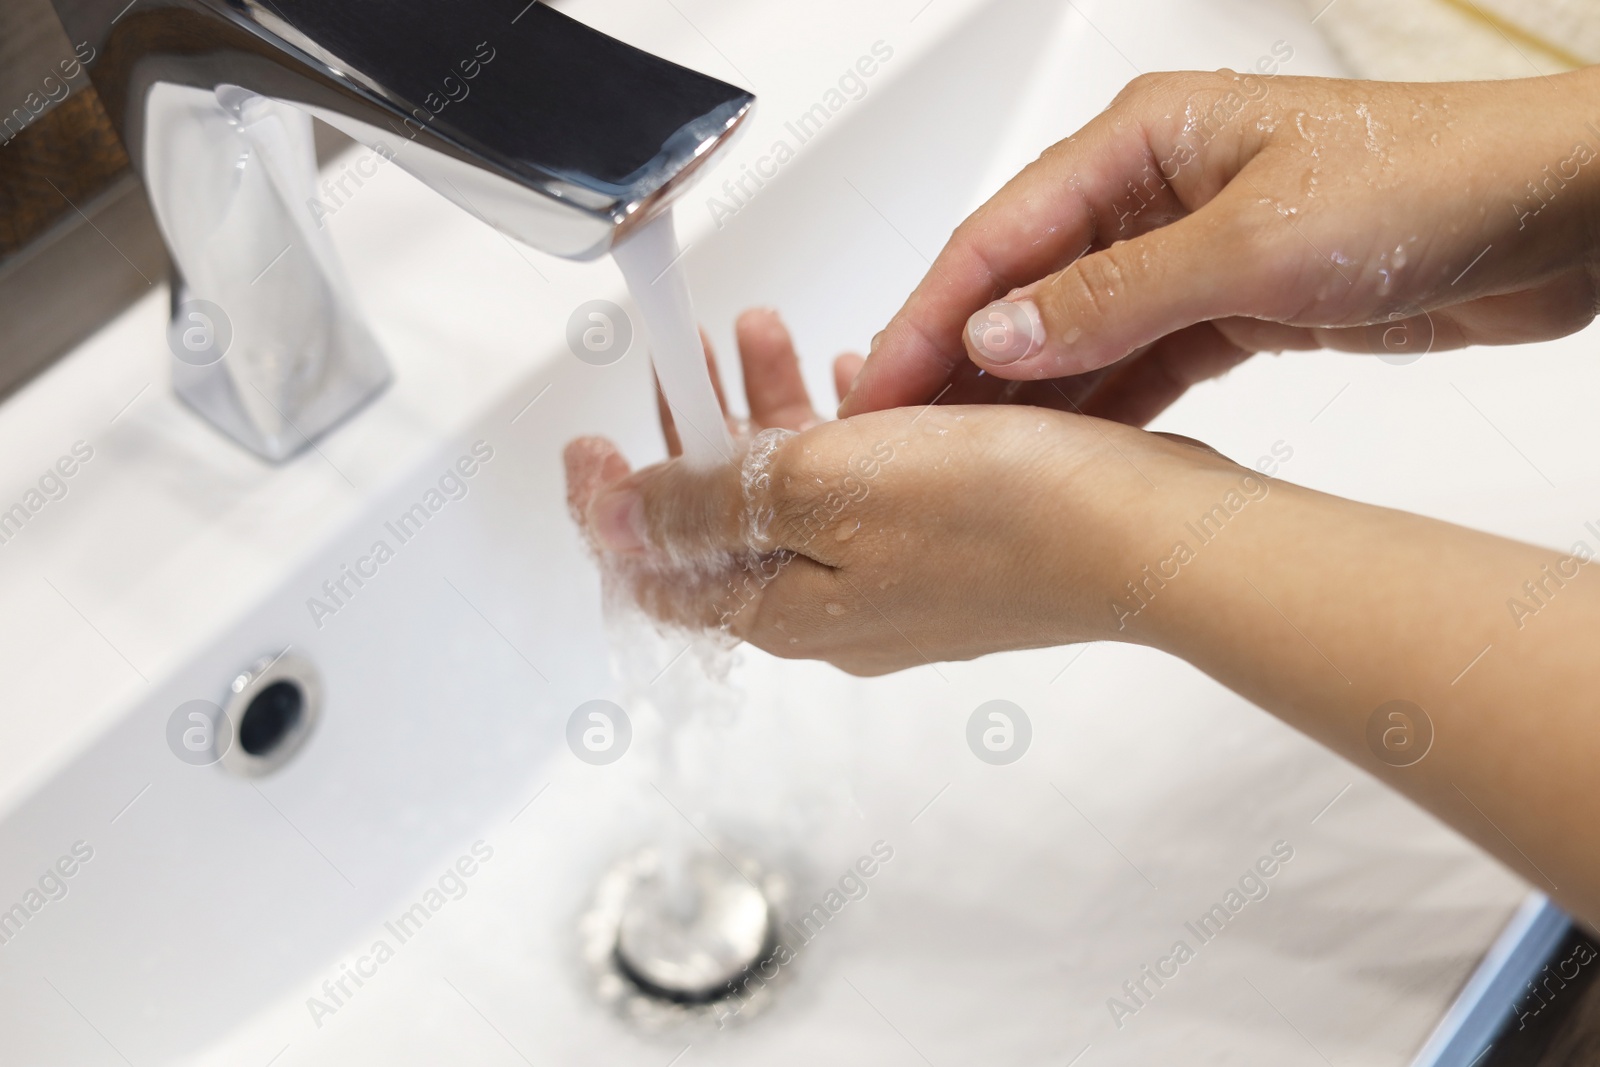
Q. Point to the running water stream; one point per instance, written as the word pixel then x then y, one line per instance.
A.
pixel 652 264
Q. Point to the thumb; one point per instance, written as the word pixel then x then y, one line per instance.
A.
pixel 1108 304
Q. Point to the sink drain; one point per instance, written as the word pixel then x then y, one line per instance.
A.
pixel 665 947
pixel 692 942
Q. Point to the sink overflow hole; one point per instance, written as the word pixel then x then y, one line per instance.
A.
pixel 271 716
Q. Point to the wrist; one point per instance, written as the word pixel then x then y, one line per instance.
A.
pixel 1198 536
pixel 1139 514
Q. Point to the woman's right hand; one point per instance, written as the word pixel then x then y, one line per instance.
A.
pixel 1205 217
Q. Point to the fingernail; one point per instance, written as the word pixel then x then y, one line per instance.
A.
pixel 617 520
pixel 1006 331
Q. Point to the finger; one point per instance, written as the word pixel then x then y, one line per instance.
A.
pixel 1473 323
pixel 1195 443
pixel 1563 305
pixel 776 602
pixel 1556 308
pixel 1142 387
pixel 1109 303
pixel 772 381
pixel 592 463
pixel 1043 218
pixel 669 426
pixel 968 384
pixel 1073 394
pixel 845 369
pixel 698 598
pixel 1254 335
pixel 1106 183
pixel 790 611
pixel 809 610
pixel 679 513
pixel 711 369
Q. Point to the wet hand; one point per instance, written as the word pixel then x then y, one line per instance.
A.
pixel 1205 217
pixel 888 540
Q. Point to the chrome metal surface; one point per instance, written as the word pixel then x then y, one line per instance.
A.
pixel 688 944
pixel 692 941
pixel 1505 977
pixel 552 132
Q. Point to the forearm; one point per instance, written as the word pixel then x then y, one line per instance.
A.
pixel 1323 611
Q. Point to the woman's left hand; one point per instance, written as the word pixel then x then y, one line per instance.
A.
pixel 895 538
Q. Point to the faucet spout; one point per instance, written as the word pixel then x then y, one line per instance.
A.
pixel 556 134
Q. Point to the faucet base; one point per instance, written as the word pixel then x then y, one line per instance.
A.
pixel 266 340
pixel 269 417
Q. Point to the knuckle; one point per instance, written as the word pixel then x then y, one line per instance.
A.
pixel 1141 88
pixel 1157 88
pixel 804 517
pixel 1088 289
pixel 784 499
pixel 1213 99
pixel 786 463
pixel 1282 277
pixel 818 481
pixel 802 498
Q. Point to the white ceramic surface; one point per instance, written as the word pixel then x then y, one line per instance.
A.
pixel 1019 898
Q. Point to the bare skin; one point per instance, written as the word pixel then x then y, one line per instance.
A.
pixel 907 533
pixel 1320 213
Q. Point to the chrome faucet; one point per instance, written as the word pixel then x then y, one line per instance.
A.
pixel 552 132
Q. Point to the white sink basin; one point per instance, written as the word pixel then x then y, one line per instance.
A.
pixel 1019 898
